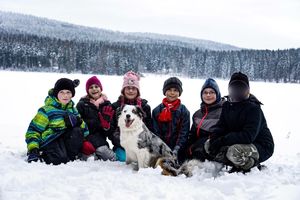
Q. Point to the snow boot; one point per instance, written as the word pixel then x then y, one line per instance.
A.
pixel 105 153
pixel 243 156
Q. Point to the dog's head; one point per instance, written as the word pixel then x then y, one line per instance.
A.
pixel 130 115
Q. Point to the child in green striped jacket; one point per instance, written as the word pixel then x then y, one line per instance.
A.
pixel 56 133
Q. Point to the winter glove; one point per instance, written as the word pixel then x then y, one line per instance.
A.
pixel 175 150
pixel 106 117
pixel 214 145
pixel 87 148
pixel 72 120
pixel 33 155
pixel 206 146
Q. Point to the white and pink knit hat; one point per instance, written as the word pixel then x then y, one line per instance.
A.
pixel 131 79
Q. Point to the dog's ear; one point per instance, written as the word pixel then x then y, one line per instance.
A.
pixel 140 112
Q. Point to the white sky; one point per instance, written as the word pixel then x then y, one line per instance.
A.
pixel 258 24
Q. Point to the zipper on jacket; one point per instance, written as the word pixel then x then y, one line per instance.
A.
pixel 201 122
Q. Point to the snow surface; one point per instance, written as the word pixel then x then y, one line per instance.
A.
pixel 22 93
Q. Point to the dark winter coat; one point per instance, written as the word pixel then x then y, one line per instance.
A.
pixel 244 123
pixel 143 103
pixel 175 132
pixel 89 113
pixel 204 121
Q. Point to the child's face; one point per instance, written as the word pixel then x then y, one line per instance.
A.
pixel 209 96
pixel 172 94
pixel 130 92
pixel 64 96
pixel 95 91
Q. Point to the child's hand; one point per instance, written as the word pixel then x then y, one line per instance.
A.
pixel 214 145
pixel 33 155
pixel 88 148
pixel 72 121
pixel 106 117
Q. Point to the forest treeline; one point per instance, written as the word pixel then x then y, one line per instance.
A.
pixel 34 53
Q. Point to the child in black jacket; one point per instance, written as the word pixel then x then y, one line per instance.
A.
pixel 242 138
pixel 96 110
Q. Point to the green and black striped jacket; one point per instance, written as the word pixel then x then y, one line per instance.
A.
pixel 48 123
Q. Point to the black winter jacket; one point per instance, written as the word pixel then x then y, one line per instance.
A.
pixel 89 113
pixel 244 123
pixel 174 133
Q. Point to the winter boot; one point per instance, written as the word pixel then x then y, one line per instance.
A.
pixel 243 156
pixel 105 153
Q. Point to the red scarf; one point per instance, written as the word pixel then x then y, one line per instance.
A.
pixel 166 114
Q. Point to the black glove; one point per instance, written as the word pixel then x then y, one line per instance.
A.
pixel 33 155
pixel 72 120
pixel 214 145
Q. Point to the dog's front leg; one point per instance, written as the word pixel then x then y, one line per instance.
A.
pixel 135 166
pixel 143 158
pixel 128 158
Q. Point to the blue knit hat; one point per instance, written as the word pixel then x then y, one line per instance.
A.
pixel 211 83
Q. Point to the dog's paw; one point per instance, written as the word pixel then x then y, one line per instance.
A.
pixel 135 166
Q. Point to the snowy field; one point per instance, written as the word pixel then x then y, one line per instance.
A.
pixel 23 93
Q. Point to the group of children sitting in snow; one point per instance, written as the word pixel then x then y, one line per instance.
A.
pixel 231 130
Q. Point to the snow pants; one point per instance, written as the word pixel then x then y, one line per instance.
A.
pixel 65 148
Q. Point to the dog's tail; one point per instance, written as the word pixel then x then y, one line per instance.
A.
pixel 170 166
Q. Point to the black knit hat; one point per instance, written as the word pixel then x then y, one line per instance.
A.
pixel 65 84
pixel 172 82
pixel 239 78
pixel 238 87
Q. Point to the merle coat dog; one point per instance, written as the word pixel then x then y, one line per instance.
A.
pixel 142 146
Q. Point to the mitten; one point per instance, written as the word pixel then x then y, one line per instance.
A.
pixel 87 148
pixel 72 120
pixel 206 146
pixel 214 145
pixel 106 117
pixel 33 155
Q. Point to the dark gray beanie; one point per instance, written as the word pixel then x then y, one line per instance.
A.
pixel 172 82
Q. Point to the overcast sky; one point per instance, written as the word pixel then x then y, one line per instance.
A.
pixel 258 24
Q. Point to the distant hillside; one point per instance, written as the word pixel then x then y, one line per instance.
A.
pixel 30 43
pixel 20 23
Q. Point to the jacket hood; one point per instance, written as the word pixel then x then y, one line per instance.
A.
pixel 211 83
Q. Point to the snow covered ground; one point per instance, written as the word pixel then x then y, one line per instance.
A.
pixel 23 93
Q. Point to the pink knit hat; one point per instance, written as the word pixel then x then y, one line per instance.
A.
pixel 91 81
pixel 131 79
